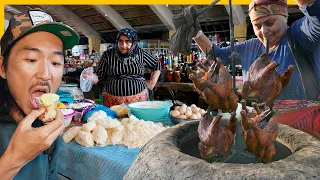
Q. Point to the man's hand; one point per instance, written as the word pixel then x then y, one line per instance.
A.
pixel 27 142
pixel 302 3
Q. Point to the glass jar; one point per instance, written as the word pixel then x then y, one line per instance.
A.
pixel 176 76
pixel 169 75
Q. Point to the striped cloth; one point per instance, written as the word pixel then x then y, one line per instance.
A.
pixel 124 77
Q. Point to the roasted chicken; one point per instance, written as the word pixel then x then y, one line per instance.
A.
pixel 215 139
pixel 214 84
pixel 260 131
pixel 264 82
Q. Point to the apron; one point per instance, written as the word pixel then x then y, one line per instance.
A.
pixel 110 100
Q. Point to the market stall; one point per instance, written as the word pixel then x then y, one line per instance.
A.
pixel 227 113
pixel 113 161
pixel 101 142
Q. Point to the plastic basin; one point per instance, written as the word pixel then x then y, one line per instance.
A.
pixel 150 110
pixel 67 114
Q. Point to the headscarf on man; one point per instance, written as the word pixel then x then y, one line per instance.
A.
pixel 264 8
pixel 135 44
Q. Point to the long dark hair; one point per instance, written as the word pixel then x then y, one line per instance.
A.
pixel 7 102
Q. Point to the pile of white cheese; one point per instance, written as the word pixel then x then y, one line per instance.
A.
pixel 101 130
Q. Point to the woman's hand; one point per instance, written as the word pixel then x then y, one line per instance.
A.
pixel 88 74
pixel 27 142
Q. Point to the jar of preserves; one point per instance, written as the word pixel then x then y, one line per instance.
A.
pixel 169 75
pixel 176 76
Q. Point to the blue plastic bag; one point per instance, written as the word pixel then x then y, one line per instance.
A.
pixel 108 111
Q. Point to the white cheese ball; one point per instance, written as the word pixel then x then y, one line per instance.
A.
pixel 84 139
pixel 176 108
pixel 99 135
pixel 88 127
pixel 117 135
pixel 108 123
pixel 71 133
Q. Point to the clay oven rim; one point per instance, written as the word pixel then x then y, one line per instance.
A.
pixel 162 158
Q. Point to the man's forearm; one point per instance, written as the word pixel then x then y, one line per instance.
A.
pixel 302 3
pixel 8 168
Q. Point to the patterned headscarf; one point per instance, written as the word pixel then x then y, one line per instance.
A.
pixel 263 8
pixel 135 43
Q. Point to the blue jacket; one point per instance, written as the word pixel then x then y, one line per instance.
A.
pixel 304 36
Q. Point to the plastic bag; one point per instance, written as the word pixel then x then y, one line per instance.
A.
pixel 88 112
pixel 86 79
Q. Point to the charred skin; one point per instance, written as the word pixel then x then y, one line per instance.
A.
pixel 215 86
pixel 264 82
pixel 215 140
pixel 260 140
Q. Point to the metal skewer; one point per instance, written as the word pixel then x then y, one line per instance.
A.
pixel 232 46
pixel 267 47
pixel 205 9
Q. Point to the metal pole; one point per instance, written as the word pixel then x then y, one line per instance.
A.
pixel 232 45
pixel 206 8
pixel 267 47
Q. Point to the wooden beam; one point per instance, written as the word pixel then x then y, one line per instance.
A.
pixel 71 17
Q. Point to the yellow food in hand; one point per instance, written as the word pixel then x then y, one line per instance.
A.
pixel 61 105
pixel 49 102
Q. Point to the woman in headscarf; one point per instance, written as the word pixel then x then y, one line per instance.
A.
pixel 123 67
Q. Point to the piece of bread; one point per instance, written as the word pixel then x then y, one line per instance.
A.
pixel 49 101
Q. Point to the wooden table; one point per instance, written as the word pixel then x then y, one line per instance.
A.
pixel 177 89
pixel 176 86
